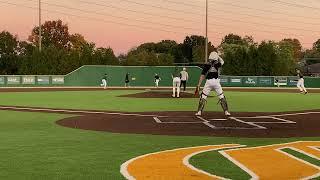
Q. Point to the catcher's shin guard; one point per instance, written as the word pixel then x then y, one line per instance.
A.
pixel 224 104
pixel 202 104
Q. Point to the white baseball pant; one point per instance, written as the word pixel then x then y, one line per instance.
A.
pixel 176 84
pixel 157 82
pixel 300 85
pixel 212 84
pixel 104 83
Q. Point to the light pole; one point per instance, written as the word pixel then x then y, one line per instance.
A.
pixel 40 29
pixel 206 45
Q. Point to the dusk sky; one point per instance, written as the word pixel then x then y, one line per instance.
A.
pixel 123 24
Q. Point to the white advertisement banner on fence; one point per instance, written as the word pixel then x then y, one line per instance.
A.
pixel 28 80
pixel 13 80
pixel 57 79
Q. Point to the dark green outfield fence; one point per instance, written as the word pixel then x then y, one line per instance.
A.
pixel 139 75
pixel 91 75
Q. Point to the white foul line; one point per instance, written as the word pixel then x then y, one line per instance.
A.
pixel 282 121
pixel 206 122
pixel 281 115
pixel 253 124
pixel 210 125
pixel 157 120
pixel 76 111
pixel 217 119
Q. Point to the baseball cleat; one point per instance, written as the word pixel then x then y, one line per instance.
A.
pixel 227 113
pixel 198 113
pixel 306 92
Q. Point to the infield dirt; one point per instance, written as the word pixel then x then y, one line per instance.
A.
pixel 244 124
pixel 186 124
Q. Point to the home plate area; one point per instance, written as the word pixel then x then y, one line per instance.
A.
pixel 258 122
pixel 241 124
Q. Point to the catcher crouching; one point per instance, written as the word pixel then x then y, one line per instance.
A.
pixel 211 72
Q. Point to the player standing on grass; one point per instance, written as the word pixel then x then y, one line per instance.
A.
pixel 210 72
pixel 157 80
pixel 184 78
pixel 300 83
pixel 104 81
pixel 176 81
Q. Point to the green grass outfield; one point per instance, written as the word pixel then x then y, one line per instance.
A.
pixel 33 147
pixel 109 100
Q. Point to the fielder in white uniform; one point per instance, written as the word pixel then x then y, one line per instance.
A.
pixel 104 82
pixel 210 72
pixel 176 82
pixel 300 83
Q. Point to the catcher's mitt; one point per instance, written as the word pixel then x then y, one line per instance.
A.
pixel 196 92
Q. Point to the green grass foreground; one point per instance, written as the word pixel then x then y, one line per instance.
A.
pixel 109 100
pixel 32 146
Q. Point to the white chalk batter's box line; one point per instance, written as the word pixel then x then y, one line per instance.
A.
pixel 254 125
pixel 156 117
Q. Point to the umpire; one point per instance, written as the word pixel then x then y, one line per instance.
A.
pixel 184 78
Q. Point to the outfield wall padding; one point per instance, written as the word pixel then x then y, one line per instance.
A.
pixel 32 80
pixel 143 76
pixel 139 75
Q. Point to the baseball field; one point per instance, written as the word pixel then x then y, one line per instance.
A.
pixel 146 134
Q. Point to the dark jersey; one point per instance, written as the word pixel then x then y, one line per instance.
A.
pixel 300 75
pixel 156 77
pixel 105 77
pixel 211 70
pixel 127 78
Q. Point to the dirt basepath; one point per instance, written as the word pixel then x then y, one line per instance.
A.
pixel 259 125
pixel 255 125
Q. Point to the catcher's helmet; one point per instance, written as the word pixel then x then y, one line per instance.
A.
pixel 213 56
